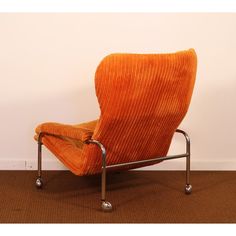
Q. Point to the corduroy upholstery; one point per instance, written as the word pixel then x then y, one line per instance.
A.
pixel 143 98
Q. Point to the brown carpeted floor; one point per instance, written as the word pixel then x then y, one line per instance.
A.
pixel 137 197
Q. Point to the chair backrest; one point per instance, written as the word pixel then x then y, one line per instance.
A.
pixel 143 98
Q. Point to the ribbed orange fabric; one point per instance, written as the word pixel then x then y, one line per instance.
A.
pixel 143 98
pixel 81 132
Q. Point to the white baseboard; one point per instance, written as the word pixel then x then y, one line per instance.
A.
pixel 54 164
pixel 14 164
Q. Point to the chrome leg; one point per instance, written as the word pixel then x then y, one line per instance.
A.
pixel 188 186
pixel 106 206
pixel 39 181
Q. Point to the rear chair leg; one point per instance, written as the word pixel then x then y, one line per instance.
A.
pixel 188 187
pixel 106 206
pixel 39 181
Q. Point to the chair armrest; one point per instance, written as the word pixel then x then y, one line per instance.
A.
pixel 69 131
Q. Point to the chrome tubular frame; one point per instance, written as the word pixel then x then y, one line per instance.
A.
pixel 106 206
pixel 188 186
pixel 39 181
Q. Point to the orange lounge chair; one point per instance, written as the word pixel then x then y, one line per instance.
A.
pixel 143 98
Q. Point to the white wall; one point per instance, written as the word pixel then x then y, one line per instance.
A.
pixel 47 65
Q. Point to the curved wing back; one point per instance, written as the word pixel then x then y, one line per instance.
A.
pixel 143 98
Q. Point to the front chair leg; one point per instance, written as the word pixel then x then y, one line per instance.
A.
pixel 39 181
pixel 106 206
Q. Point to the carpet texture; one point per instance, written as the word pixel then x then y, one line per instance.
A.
pixel 137 197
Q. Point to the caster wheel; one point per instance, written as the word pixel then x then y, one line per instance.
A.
pixel 106 206
pixel 188 188
pixel 39 183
